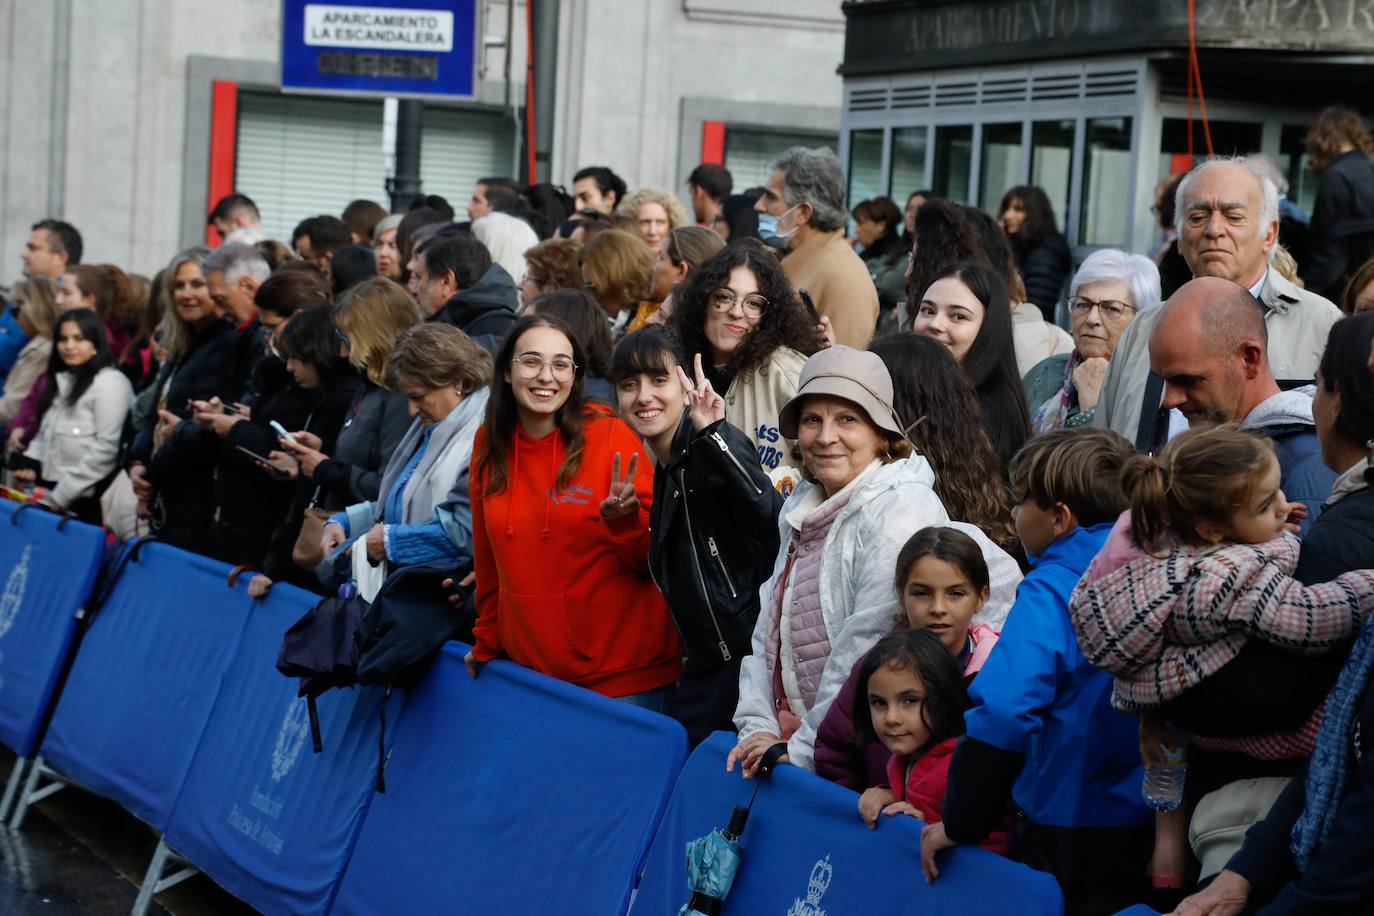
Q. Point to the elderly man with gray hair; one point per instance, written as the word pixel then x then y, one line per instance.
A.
pixel 803 210
pixel 1227 213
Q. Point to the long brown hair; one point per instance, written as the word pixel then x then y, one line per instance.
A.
pixel 928 386
pixel 493 462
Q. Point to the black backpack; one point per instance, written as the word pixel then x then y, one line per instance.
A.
pixel 390 642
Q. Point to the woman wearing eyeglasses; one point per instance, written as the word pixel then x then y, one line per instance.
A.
pixel 1107 292
pixel 740 313
pixel 560 495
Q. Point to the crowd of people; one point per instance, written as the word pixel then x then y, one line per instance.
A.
pixel 856 498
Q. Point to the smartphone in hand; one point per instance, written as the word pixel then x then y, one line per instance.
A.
pixel 270 466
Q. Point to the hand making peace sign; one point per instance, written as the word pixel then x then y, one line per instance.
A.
pixel 704 405
pixel 622 499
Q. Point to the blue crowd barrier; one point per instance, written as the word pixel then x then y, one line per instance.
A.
pixel 259 812
pixel 806 847
pixel 148 670
pixel 47 571
pixel 514 793
pixel 48 567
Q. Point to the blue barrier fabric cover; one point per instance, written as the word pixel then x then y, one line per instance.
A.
pixel 260 812
pixel 513 793
pixel 806 848
pixel 148 670
pixel 45 576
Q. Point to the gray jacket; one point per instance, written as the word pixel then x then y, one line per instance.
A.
pixel 1298 322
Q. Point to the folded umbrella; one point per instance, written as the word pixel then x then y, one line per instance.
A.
pixel 712 862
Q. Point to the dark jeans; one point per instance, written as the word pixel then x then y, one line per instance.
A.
pixel 705 700
pixel 1100 870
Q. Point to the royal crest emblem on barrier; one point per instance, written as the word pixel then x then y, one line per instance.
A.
pixel 12 599
pixel 290 739
pixel 821 874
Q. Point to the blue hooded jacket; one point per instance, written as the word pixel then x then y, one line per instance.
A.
pixel 1037 695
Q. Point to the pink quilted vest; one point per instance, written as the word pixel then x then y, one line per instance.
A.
pixel 806 625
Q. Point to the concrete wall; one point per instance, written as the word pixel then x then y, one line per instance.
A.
pixel 625 69
pixel 94 98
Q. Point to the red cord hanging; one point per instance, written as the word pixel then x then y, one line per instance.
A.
pixel 1195 80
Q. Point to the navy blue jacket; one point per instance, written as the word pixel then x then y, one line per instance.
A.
pixel 1342 540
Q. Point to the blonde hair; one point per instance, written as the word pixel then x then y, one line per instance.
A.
pixel 40 302
pixel 371 315
pixel 1203 474
pixel 628 208
pixel 176 333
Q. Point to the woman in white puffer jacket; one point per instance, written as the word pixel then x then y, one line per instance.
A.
pixel 81 416
pixel 830 597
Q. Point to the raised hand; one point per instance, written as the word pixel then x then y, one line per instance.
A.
pixel 622 498
pixel 703 404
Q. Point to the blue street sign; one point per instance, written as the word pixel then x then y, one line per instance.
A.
pixel 381 47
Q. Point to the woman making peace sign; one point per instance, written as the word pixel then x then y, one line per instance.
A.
pixel 714 522
pixel 560 518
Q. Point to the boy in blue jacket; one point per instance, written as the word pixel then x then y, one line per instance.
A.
pixel 1041 730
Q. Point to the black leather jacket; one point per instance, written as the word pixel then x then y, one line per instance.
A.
pixel 713 540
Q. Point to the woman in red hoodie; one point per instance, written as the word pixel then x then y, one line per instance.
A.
pixel 560 518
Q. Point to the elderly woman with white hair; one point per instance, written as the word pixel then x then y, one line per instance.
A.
pixel 507 239
pixel 1110 289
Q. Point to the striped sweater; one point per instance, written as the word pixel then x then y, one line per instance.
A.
pixel 1162 626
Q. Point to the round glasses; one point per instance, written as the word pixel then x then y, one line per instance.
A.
pixel 530 365
pixel 753 306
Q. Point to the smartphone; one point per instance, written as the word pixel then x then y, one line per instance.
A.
pixel 281 431
pixel 810 306
pixel 273 468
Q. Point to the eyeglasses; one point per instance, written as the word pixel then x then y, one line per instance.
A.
pixel 1111 309
pixel 529 365
pixel 723 300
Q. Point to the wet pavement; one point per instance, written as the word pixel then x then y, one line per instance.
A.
pixel 79 855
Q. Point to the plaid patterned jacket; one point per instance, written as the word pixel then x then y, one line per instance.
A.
pixel 1162 626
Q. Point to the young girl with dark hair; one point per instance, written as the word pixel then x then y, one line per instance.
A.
pixel 1042 253
pixel 560 513
pixel 713 526
pixel 942 584
pixel 966 308
pixel 81 416
pixel 910 697
pixel 740 313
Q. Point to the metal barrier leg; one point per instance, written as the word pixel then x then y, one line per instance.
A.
pixel 31 793
pixel 154 883
pixel 12 787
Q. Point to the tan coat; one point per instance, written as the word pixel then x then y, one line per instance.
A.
pixel 826 267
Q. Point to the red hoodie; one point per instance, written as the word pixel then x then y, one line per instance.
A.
pixel 561 589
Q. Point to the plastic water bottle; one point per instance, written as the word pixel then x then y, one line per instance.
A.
pixel 1162 787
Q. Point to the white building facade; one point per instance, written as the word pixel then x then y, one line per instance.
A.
pixel 128 118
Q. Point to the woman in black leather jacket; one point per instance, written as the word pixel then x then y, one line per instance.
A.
pixel 713 524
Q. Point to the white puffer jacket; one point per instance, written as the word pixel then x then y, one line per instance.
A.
pixel 889 504
pixel 78 444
